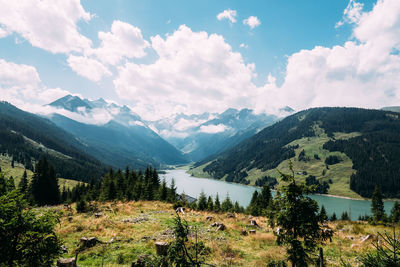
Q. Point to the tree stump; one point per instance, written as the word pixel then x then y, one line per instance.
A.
pixel 253 232
pixel 66 262
pixel 162 248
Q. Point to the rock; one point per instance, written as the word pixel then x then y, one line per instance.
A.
pixel 64 249
pixel 141 261
pixel 244 232
pixel 162 248
pixel 180 210
pixel 209 218
pixel 253 232
pixel 98 214
pixel 253 223
pixel 221 227
pixel 230 215
pixel 366 238
pixel 89 242
pixel 66 262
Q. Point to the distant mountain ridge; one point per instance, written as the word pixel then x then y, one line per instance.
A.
pixel 124 139
pixel 371 139
pixel 27 137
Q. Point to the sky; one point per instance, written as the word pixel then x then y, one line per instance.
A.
pixel 167 57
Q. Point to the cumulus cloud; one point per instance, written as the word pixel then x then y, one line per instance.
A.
pixel 252 21
pixel 88 67
pixel 20 85
pixel 195 72
pixel 352 13
pixel 124 40
pixel 50 24
pixel 364 72
pixel 213 129
pixel 227 14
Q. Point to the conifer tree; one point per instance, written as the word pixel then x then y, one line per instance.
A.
pixel 298 219
pixel 202 202
pixel 322 214
pixel 172 191
pixel 333 217
pixel 395 213
pixel 217 204
pixel 210 204
pixel 44 188
pixel 227 204
pixel 23 184
pixel 10 184
pixel 377 206
pixel 163 191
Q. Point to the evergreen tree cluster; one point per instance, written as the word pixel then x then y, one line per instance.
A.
pixel 375 153
pixel 320 187
pixel 260 202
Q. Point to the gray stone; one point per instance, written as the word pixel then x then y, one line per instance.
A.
pixel 66 262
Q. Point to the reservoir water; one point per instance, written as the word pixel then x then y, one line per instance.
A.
pixel 193 186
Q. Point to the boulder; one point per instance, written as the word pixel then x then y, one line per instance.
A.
pixel 89 242
pixel 66 262
pixel 209 218
pixel 230 215
pixel 162 248
pixel 254 223
pixel 221 227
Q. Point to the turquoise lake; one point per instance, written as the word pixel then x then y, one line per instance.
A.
pixel 193 186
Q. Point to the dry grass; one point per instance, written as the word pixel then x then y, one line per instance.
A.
pixel 228 248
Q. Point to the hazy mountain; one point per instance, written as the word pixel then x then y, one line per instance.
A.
pixel 123 139
pixel 200 136
pixel 27 137
pixel 318 140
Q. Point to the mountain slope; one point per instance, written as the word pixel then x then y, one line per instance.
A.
pixel 28 137
pixel 200 136
pixel 121 141
pixel 369 138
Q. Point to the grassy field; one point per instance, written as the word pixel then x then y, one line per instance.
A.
pixel 339 174
pixel 18 171
pixel 228 248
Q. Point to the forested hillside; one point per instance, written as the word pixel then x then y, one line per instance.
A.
pixel 374 151
pixel 27 137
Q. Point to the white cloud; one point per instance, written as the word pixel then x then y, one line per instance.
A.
pixel 50 24
pixel 213 129
pixel 88 68
pixel 252 21
pixel 124 40
pixel 227 14
pixel 352 13
pixel 242 45
pixel 195 72
pixel 363 72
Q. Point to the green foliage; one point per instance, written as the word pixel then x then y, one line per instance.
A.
pixel 298 220
pixel 44 188
pixel 333 217
pixel 322 214
pixel 23 184
pixel 210 204
pixel 183 251
pixel 26 238
pixel 395 213
pixel 202 201
pixel 377 206
pixel 81 206
pixel 321 188
pixel 217 204
pixel 386 254
pixel 331 160
pixel 345 216
pixel 227 204
pixel 266 180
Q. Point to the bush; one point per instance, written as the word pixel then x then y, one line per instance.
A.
pixel 26 237
pixel 81 206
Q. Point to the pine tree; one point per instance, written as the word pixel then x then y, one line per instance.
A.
pixel 254 207
pixel 202 202
pixel 227 204
pixel 298 219
pixel 377 206
pixel 333 217
pixel 217 204
pixel 210 204
pixel 345 216
pixel 163 191
pixel 10 184
pixel 395 212
pixel 172 191
pixel 265 196
pixel 322 214
pixel 23 184
pixel 44 188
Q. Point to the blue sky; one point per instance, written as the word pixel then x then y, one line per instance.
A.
pixel 287 35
